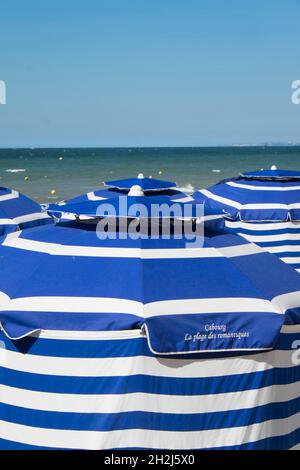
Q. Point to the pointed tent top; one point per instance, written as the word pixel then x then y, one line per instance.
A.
pixel 273 174
pixel 147 184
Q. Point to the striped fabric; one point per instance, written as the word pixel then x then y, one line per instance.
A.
pixel 106 390
pixel 147 184
pixel 279 238
pixel 103 195
pixel 131 206
pixel 214 296
pixel 107 193
pixel 18 212
pixel 147 343
pixel 253 201
pixel 264 209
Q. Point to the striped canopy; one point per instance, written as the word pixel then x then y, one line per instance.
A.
pixel 107 390
pixel 91 317
pixel 264 211
pixel 147 184
pixel 254 200
pixel 19 212
pixel 185 298
pixel 165 189
pixel 133 206
pixel 273 174
pixel 109 193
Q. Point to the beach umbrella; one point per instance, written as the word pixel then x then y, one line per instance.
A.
pixel 149 186
pixel 262 206
pixel 135 204
pixel 19 212
pixel 144 343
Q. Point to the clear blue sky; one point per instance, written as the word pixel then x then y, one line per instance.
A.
pixel 148 72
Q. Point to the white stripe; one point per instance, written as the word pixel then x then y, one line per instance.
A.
pixel 14 241
pixel 262 226
pixel 211 217
pixel 211 305
pixel 148 438
pixel 4 299
pixel 223 200
pixel 124 306
pixel 12 195
pixel 241 250
pixel 287 301
pixel 144 365
pixel 237 205
pixel 72 304
pixel 283 248
pixel 270 238
pixel 291 260
pixel 7 222
pixel 262 188
pixel 92 197
pixel 184 199
pixel 148 402
pixel 290 329
pixel 31 217
pixel 89 335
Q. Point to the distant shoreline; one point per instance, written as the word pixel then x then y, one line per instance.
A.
pixel 233 146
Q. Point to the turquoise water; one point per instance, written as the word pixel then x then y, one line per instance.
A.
pixel 74 171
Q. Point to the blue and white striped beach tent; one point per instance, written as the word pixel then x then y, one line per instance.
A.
pixel 263 207
pixel 18 212
pixel 146 343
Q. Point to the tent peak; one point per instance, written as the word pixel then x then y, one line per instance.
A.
pixel 136 190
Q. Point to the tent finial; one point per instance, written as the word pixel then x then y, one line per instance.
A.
pixel 136 190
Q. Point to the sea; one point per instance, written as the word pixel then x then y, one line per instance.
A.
pixel 55 174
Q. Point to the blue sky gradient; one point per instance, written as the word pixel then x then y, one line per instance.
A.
pixel 148 73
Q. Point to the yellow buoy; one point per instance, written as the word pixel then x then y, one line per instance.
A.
pixel 52 192
pixel 26 178
pixel 160 172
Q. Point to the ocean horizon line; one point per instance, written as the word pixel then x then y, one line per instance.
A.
pixel 136 147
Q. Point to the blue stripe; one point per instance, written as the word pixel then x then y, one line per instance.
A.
pixel 149 384
pixel 268 233
pixel 10 445
pixel 147 420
